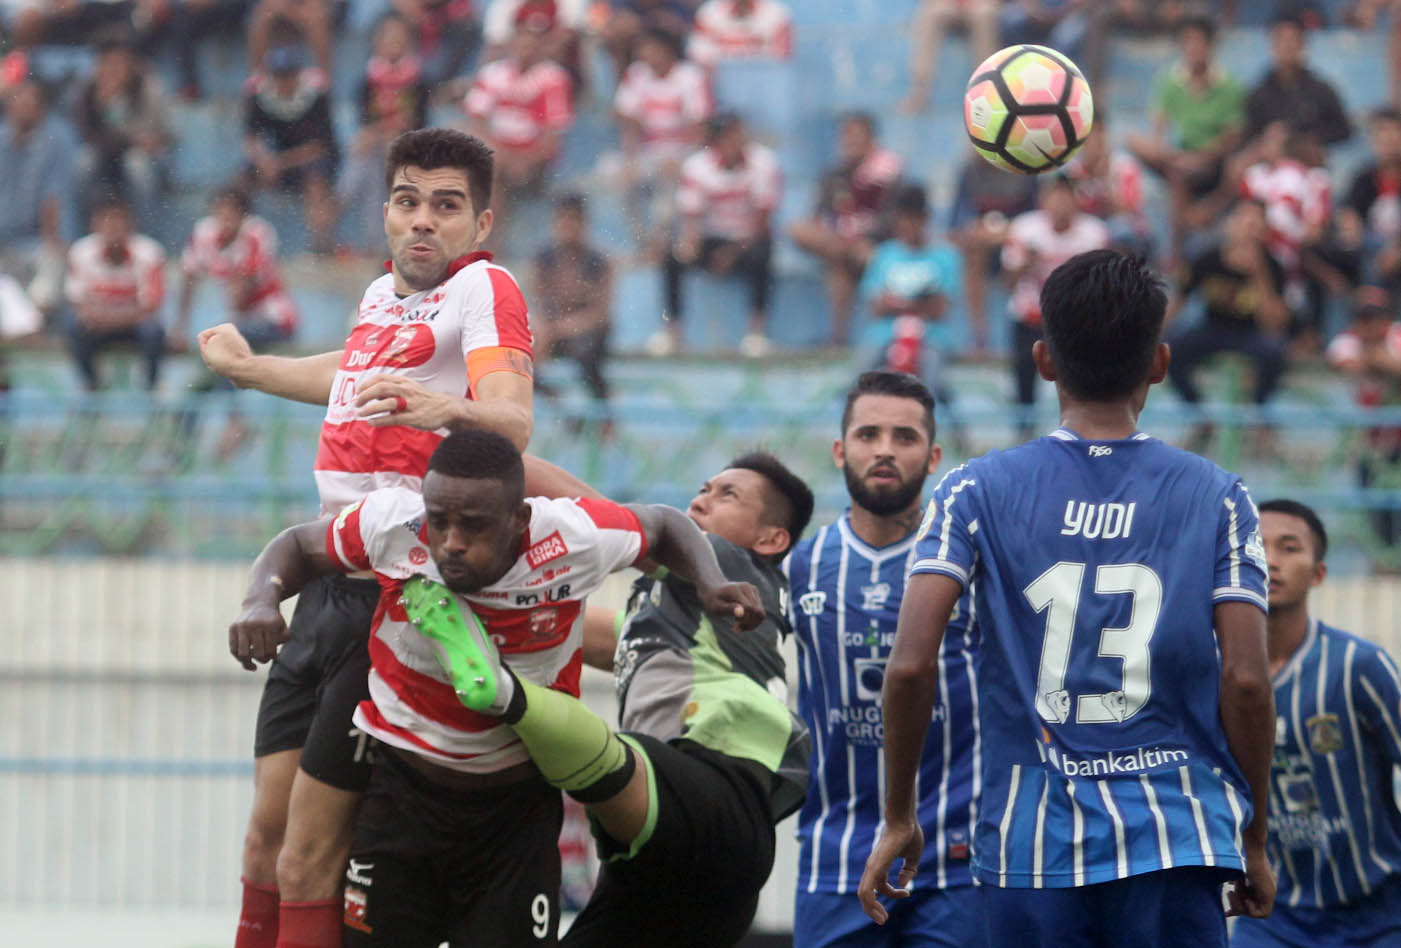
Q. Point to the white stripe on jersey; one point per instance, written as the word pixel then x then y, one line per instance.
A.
pixel 844 848
pixel 1224 592
pixel 1234 541
pixel 1077 834
pixel 1006 826
pixel 1338 784
pixel 1362 781
pixel 977 730
pixel 1382 709
pixel 1208 856
pixel 1304 752
pixel 827 695
pixel 942 812
pixel 1121 850
pixel 1038 849
pixel 1164 846
pixel 943 553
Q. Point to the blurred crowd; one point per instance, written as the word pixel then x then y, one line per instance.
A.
pixel 1274 254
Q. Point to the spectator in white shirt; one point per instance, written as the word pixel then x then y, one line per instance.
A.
pixel 726 200
pixel 741 29
pixel 662 103
pixel 115 285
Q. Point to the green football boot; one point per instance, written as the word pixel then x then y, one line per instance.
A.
pixel 465 650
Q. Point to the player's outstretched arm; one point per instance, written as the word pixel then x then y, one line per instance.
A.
pixel 307 379
pixel 675 542
pixel 293 558
pixel 907 702
pixel 600 637
pixel 502 402
pixel 543 479
pixel 1248 716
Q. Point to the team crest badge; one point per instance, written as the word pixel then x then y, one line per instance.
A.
pixel 1325 733
pixel 930 513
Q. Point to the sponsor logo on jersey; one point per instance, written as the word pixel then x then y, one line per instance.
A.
pixel 359 872
pixel 1325 733
pixel 873 597
pixel 812 603
pixel 1138 760
pixel 1100 451
pixel 389 347
pixel 550 548
pixel 1255 549
pixel 870 676
pixel 418 556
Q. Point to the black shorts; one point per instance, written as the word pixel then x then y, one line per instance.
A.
pixel 474 868
pixel 695 880
pixel 317 679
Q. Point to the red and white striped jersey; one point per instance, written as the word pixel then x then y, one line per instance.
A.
pixel 722 32
pixel 520 107
pixel 1032 236
pixel 1298 200
pixel 665 107
pixel 534 614
pixel 133 285
pixel 246 265
pixel 730 201
pixel 429 337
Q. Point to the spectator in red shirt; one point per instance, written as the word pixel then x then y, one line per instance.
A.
pixel 726 200
pixel 850 216
pixel 393 99
pixel 1369 351
pixel 741 29
pixel 663 103
pixel 521 106
pixel 115 285
pixel 289 138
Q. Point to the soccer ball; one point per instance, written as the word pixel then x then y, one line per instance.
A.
pixel 1027 109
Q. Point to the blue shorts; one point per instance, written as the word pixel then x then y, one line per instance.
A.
pixel 1171 908
pixel 929 918
pixel 1374 922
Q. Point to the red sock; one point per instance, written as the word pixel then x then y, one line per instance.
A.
pixel 257 923
pixel 309 924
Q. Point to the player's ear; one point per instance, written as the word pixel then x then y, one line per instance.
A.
pixel 484 221
pixel 771 541
pixel 522 516
pixel 1320 573
pixel 838 453
pixel 1162 358
pixel 936 454
pixel 1042 357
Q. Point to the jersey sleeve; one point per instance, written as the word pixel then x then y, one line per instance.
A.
pixel 945 538
pixel 1240 551
pixel 382 532
pixel 621 539
pixel 493 313
pixel 1379 702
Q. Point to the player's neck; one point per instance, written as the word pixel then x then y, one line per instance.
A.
pixel 1099 421
pixel 880 530
pixel 1287 629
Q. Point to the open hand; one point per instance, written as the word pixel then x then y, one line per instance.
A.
pixel 740 600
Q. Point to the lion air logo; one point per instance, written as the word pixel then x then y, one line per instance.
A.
pixel 396 348
pixel 550 548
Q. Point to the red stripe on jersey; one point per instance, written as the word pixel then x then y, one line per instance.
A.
pixel 376 722
pixel 610 516
pixel 358 447
pixel 510 312
pixel 347 529
pixel 433 699
pixel 532 629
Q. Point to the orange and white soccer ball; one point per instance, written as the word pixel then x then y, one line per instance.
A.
pixel 1027 109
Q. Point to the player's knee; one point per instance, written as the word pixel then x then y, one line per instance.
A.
pixel 307 871
pixel 260 852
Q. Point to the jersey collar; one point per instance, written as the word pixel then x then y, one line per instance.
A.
pixel 875 554
pixel 1065 434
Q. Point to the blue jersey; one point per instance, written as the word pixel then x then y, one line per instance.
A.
pixel 845 599
pixel 1335 832
pixel 1095 567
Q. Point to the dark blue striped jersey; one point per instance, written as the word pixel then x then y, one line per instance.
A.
pixel 1095 568
pixel 1335 832
pixel 845 599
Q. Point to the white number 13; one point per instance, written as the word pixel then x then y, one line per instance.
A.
pixel 1057 592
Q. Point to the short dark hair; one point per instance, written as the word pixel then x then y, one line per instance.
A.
pixel 1385 113
pixel 109 200
pixel 572 202
pixel 432 148
pixel 720 124
pixel 896 384
pixel 1102 313
pixel 483 454
pixel 236 196
pixel 1305 513
pixel 861 117
pixel 910 199
pixel 662 36
pixel 1203 24
pixel 789 502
